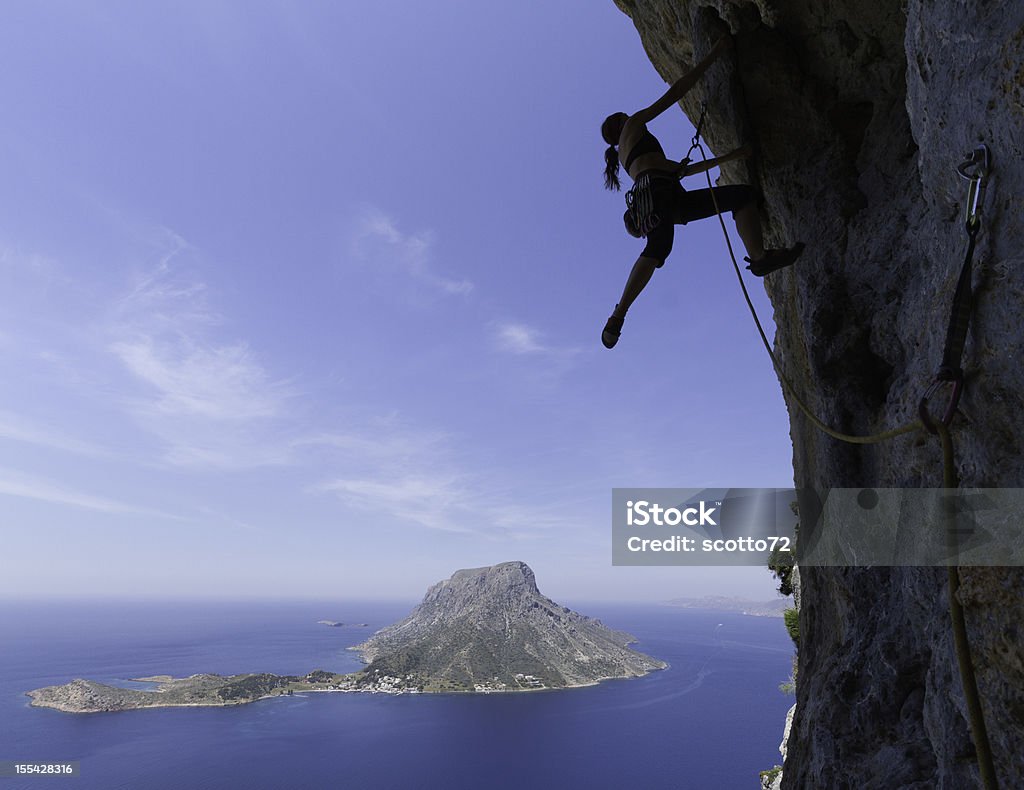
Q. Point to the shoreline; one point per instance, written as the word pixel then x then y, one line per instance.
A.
pixel 69 708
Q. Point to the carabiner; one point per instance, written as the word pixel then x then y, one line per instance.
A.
pixel 695 140
pixel 975 169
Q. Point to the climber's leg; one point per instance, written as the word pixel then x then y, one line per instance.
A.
pixel 748 225
pixel 638 278
pixel 740 199
pixel 659 245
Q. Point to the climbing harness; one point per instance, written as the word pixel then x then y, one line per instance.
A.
pixel 640 206
pixel 975 169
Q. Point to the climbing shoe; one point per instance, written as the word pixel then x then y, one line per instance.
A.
pixel 612 330
pixel 774 260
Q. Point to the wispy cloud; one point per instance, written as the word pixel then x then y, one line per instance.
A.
pixel 422 479
pixel 378 239
pixel 18 428
pixel 519 339
pixel 429 499
pixel 515 337
pixel 209 398
pixel 449 501
pixel 16 484
pixel 390 469
pixel 387 442
pixel 192 378
pixel 164 295
pixel 33 264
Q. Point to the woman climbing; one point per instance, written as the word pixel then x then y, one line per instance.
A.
pixel 658 202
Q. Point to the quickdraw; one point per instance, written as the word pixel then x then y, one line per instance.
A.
pixel 975 170
pixel 695 140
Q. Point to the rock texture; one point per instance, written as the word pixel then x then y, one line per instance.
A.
pixel 859 113
pixel 491 628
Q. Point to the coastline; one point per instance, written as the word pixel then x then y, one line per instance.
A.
pixel 44 697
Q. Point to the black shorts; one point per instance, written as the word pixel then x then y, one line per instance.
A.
pixel 675 206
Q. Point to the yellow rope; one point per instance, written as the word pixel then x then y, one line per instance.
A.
pixel 844 437
pixel 961 645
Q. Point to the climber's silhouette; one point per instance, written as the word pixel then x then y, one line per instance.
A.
pixel 658 202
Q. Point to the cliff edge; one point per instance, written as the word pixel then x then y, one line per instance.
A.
pixel 860 113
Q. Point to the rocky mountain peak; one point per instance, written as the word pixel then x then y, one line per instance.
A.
pixel 492 627
pixel 504 579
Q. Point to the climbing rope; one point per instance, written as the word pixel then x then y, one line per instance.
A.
pixel 808 412
pixel 951 371
pixel 961 645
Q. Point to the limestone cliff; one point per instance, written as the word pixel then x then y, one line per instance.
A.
pixel 859 113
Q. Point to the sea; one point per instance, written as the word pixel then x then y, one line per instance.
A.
pixel 713 719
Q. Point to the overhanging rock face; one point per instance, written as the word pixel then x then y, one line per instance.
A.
pixel 860 113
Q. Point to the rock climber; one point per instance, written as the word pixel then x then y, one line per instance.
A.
pixel 658 202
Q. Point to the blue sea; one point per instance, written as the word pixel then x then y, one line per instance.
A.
pixel 714 719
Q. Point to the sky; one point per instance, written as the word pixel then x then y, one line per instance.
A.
pixel 304 300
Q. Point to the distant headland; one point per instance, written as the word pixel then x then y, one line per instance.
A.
pixel 723 603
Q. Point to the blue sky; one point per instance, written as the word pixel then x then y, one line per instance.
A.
pixel 304 300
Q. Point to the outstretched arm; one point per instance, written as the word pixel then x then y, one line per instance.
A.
pixel 687 168
pixel 683 84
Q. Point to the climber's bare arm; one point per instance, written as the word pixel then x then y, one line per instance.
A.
pixel 688 168
pixel 681 86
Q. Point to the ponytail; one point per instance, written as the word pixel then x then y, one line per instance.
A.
pixel 611 129
pixel 611 169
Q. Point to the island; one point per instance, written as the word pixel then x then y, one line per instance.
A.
pixel 490 629
pixel 483 630
pixel 88 696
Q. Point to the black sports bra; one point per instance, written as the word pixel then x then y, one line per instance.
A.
pixel 647 144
